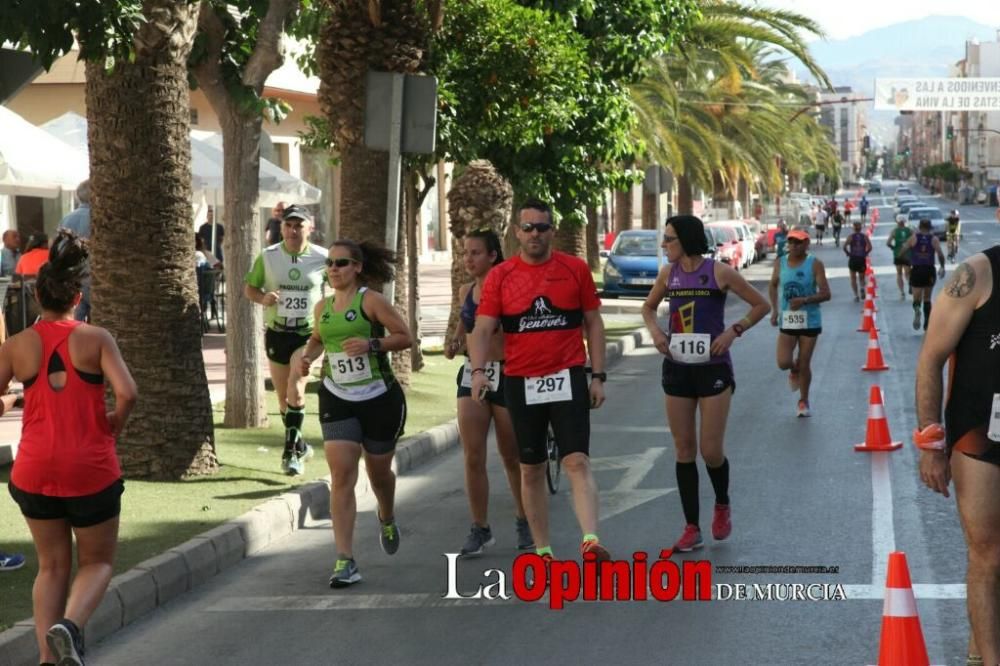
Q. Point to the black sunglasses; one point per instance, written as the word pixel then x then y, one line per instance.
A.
pixel 540 227
pixel 669 239
pixel 339 262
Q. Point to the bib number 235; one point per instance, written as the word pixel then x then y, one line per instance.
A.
pixel 548 388
pixel 293 305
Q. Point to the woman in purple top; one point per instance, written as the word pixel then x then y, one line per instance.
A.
pixel 697 369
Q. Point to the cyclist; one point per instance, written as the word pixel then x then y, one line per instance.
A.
pixel 544 300
pixel 857 247
pixel 900 252
pixel 483 251
pixel 362 409
pixel 697 369
pixel 923 245
pixel 287 279
pixel 953 231
pixel 800 278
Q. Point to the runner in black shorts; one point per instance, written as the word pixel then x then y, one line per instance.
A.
pixel 922 246
pixel 483 251
pixel 697 370
pixel 857 247
pixel 546 302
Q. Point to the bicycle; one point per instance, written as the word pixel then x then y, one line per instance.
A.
pixel 952 247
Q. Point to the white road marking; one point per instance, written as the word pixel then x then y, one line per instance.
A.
pixel 920 590
pixel 626 494
pixel 883 531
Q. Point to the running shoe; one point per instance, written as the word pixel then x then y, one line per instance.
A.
pixel 902 296
pixel 793 381
pixel 916 319
pixel 594 546
pixel 345 572
pixel 722 525
pixel 388 536
pixel 286 462
pixel 297 461
pixel 690 539
pixel 64 640
pixel 10 561
pixel 529 573
pixel 524 539
pixel 479 539
pixel 803 409
pixel 857 299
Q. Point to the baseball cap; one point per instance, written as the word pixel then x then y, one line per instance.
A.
pixel 294 211
pixel 798 234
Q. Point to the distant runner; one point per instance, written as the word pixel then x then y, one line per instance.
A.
pixel 923 245
pixel 897 241
pixel 857 247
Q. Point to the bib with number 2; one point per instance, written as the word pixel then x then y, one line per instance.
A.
pixel 492 374
pixel 690 347
pixel 348 369
pixel 994 430
pixel 549 388
pixel 293 304
pixel 794 320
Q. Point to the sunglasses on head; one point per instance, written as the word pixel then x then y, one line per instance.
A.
pixel 339 262
pixel 540 227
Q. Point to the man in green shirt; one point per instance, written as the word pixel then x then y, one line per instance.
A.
pixel 287 279
pixel 900 253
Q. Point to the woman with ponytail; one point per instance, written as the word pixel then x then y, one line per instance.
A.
pixel 361 405
pixel 66 479
pixel 482 252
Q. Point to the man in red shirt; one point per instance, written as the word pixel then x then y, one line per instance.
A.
pixel 546 302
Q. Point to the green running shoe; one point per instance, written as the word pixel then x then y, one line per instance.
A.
pixel 388 536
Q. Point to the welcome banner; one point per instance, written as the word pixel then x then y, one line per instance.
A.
pixel 938 94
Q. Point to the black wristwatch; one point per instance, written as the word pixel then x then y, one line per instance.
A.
pixel 374 345
pixel 603 376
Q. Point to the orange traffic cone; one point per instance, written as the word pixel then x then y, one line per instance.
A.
pixel 868 317
pixel 875 360
pixel 870 292
pixel 877 437
pixel 902 642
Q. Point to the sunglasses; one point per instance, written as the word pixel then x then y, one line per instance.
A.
pixel 339 262
pixel 540 227
pixel 669 239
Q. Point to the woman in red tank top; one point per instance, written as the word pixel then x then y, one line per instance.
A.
pixel 66 478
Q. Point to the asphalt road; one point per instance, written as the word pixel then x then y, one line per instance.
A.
pixel 801 496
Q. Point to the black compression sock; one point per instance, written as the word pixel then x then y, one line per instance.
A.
pixel 687 485
pixel 720 481
pixel 294 417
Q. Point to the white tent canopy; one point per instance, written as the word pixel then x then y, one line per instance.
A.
pixel 276 184
pixel 34 163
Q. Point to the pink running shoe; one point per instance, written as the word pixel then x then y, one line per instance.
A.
pixel 722 526
pixel 690 539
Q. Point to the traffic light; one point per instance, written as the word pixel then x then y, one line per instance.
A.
pixel 868 142
pixel 950 133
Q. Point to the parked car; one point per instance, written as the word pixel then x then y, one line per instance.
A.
pixel 746 239
pixel 874 187
pixel 631 267
pixel 905 207
pixel 730 249
pixel 760 239
pixel 929 213
pixel 902 189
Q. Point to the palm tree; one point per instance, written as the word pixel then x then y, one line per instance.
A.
pixel 144 287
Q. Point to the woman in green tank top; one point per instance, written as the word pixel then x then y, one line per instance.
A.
pixel 362 408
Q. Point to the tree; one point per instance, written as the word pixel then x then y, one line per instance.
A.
pixel 144 288
pixel 238 46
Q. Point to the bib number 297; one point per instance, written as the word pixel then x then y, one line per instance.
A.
pixel 548 388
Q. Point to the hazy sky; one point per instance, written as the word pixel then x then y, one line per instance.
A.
pixel 846 18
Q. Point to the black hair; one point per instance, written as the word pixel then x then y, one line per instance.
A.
pixel 62 277
pixel 377 262
pixel 199 243
pixel 36 241
pixel 491 240
pixel 536 204
pixel 691 233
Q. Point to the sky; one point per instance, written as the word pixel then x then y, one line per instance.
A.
pixel 847 18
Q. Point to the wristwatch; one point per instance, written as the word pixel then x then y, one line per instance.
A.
pixel 374 345
pixel 603 376
pixel 738 329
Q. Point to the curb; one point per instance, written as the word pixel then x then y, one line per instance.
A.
pixel 164 577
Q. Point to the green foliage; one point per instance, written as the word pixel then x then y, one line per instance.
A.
pixel 946 171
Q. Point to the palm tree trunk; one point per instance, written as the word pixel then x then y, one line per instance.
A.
pixel 685 196
pixel 412 204
pixel 144 287
pixel 649 210
pixel 593 248
pixel 571 238
pixel 623 210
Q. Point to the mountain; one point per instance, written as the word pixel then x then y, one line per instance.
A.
pixel 918 48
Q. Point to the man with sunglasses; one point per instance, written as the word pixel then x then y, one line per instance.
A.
pixel 546 302
pixel 287 278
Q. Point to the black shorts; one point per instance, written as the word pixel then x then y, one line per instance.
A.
pixel 495 397
pixel 856 264
pixel 280 345
pixel 376 423
pixel 903 260
pixel 801 332
pixel 84 511
pixel 570 419
pixel 976 445
pixel 821 228
pixel 922 276
pixel 696 381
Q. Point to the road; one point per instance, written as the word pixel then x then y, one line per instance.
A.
pixel 801 496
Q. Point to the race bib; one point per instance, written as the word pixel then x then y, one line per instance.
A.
pixel 293 304
pixel 348 369
pixel 492 374
pixel 794 320
pixel 550 388
pixel 994 430
pixel 690 347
